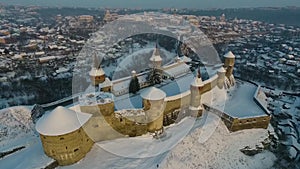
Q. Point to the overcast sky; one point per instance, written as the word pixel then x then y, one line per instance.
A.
pixel 201 4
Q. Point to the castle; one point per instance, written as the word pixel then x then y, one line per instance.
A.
pixel 68 134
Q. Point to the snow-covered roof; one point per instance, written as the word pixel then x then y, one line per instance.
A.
pixel 229 55
pixel 95 98
pixel 123 83
pixel 197 82
pixel 106 83
pixel 46 58
pixel 222 70
pixel 176 69
pixel 61 121
pixel 153 93
pixel 97 72
pixel 241 103
pixel 186 59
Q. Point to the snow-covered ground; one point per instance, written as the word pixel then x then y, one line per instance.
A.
pixel 221 150
pixel 31 157
pixel 202 143
pixel 15 124
pixel 240 102
pixel 17 130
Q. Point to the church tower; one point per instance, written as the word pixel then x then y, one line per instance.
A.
pixel 155 60
pixel 97 74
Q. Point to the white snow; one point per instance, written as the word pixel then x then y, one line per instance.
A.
pixel 95 98
pixel 240 102
pixel 221 150
pixel 96 72
pixel 120 86
pixel 46 59
pixel 15 124
pixel 61 121
pixel 106 83
pixel 127 101
pixel 175 97
pixel 177 69
pixel 186 59
pixel 179 85
pixel 17 129
pixel 222 70
pixel 197 82
pixel 131 112
pixel 147 146
pixel 172 88
pixel 31 157
pixel 153 93
pixel 192 144
pixel 155 56
pixel 229 55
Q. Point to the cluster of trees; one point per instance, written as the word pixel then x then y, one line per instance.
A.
pixel 34 91
pixel 154 77
pixel 134 85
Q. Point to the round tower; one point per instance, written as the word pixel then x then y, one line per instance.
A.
pixel 62 135
pixel 229 63
pixel 154 105
pixel 221 77
pixel 97 74
pixel 155 60
pixel 196 92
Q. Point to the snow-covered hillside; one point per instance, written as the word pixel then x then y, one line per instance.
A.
pixel 221 150
pixel 17 130
pixel 15 124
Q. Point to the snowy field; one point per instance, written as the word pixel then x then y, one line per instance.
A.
pixel 240 101
pixel 17 130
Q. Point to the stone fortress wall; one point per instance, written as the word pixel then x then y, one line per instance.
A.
pixel 174 106
pixel 105 123
pixel 235 124
pixel 62 135
pixel 68 148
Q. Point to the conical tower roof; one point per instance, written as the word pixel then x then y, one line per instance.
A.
pixel 96 69
pixel 153 93
pixel 97 72
pixel 61 121
pixel 156 55
pixel 229 55
pixel 222 70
